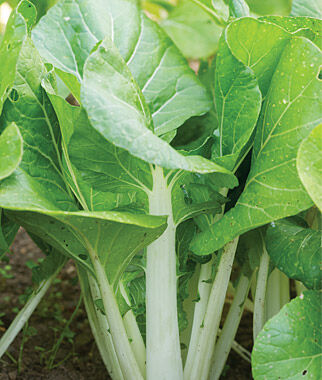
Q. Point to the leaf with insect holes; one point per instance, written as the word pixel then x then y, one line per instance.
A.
pixel 289 346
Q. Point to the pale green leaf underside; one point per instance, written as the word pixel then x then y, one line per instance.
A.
pixel 289 346
pixel 193 30
pixel 115 237
pixel 311 8
pixel 11 150
pixel 291 110
pixel 172 91
pixel 296 251
pixel 309 165
pixel 111 98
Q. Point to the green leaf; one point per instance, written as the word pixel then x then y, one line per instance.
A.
pixel 11 150
pixel 311 8
pixel 8 231
pixel 193 30
pixel 190 199
pixel 47 267
pixel 296 251
pixel 238 103
pixel 172 91
pixel 111 97
pixel 273 189
pixel 301 26
pixel 289 346
pixel 115 237
pixel 258 45
pixel 269 7
pixel 309 165
pixel 10 46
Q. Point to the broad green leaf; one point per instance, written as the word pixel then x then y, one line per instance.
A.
pixel 194 31
pixel 311 8
pixel 102 176
pixel 172 91
pixel 238 103
pixel 296 251
pixel 273 189
pixel 258 45
pixel 29 106
pixel 11 150
pixel 115 237
pixel 309 165
pixel 10 46
pixel 269 7
pixel 301 26
pixel 111 97
pixel 40 168
pixel 289 346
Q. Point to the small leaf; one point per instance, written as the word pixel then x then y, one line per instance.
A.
pixel 10 46
pixel 11 150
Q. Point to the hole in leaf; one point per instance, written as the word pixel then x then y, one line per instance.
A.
pixel 82 256
pixel 304 372
pixel 8 46
pixel 14 96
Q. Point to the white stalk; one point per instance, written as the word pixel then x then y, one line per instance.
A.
pixel 285 289
pixel 25 313
pixel 273 295
pixel 134 334
pixel 229 330
pixel 204 289
pixel 206 343
pixel 163 344
pixel 99 325
pixel 300 288
pixel 127 361
pixel 260 294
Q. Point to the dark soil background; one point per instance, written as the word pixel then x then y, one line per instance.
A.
pixel 77 357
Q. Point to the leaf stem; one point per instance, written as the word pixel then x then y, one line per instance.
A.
pixel 229 330
pixel 134 334
pixel 260 294
pixel 127 361
pixel 163 343
pixel 206 343
pixel 24 314
pixel 99 325
pixel 204 288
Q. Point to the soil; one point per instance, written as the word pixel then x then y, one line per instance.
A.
pixel 77 357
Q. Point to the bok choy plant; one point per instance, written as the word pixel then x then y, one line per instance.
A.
pixel 160 181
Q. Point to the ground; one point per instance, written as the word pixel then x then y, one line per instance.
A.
pixel 77 357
